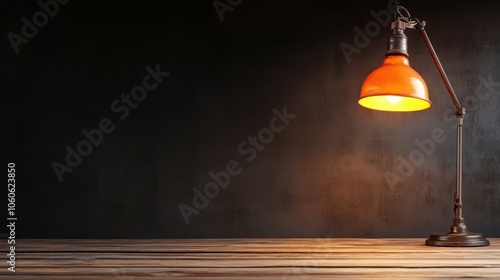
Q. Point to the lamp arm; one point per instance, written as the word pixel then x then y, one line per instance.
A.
pixel 460 109
pixel 458 225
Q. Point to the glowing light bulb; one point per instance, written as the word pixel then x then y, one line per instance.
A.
pixel 394 99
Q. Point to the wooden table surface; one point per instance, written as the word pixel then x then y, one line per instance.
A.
pixel 288 258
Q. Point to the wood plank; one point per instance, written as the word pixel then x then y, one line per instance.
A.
pixel 243 245
pixel 247 258
pixel 271 272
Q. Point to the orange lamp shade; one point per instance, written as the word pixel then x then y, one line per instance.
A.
pixel 394 86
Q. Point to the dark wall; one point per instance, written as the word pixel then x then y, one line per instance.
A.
pixel 274 71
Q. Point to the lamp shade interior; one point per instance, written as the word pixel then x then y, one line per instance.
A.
pixel 394 86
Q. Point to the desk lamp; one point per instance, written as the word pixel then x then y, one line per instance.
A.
pixel 396 87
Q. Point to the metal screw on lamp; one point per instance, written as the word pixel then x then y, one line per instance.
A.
pixel 397 87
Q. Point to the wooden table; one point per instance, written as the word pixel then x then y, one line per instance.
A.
pixel 308 258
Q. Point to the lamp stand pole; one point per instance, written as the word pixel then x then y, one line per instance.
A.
pixel 458 236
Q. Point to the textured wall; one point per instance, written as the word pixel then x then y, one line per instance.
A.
pixel 120 114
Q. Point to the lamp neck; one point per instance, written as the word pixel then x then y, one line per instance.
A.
pixel 397 42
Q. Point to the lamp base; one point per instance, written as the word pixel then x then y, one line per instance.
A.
pixel 468 239
pixel 462 239
pixel 458 236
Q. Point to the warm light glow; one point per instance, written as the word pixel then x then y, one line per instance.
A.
pixel 394 86
pixel 394 99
